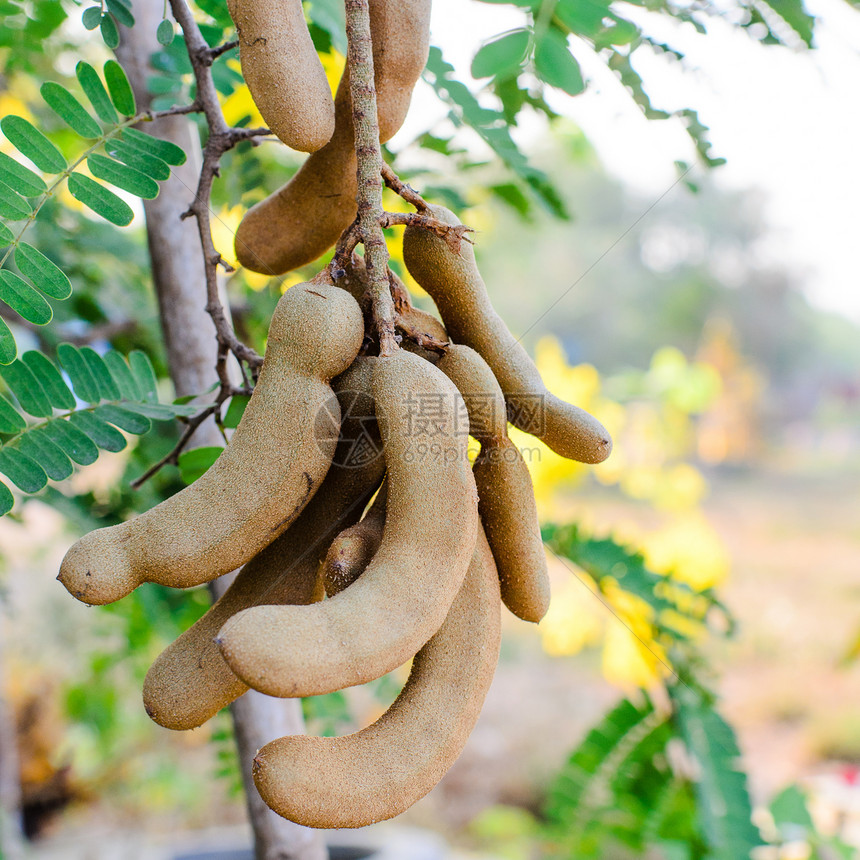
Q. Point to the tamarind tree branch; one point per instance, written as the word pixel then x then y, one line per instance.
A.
pixel 362 88
pixel 221 139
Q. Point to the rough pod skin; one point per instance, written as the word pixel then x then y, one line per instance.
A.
pixel 506 498
pixel 402 598
pixel 302 220
pixel 283 71
pixel 455 284
pixel 190 682
pixel 259 485
pixel 382 770
pixel 353 549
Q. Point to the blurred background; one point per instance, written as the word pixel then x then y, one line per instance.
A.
pixel 705 578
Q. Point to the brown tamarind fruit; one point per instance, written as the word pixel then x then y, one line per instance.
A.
pixel 455 285
pixel 283 72
pixel 303 219
pixel 261 482
pixel 382 770
pixel 402 598
pixel 506 499
pixel 190 682
pixel 352 550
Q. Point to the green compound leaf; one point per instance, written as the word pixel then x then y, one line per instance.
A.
pixel 12 205
pixel 22 471
pixel 23 299
pixel 83 381
pixel 76 444
pixel 122 176
pixel 7 500
pixel 151 165
pixel 8 348
pixel 6 235
pixel 109 32
pixel 95 91
pixel 20 178
pixel 164 33
pixel 11 420
pixel 501 57
pixel 108 390
pixel 47 276
pixel 144 374
pixel 194 463
pixel 92 17
pixel 119 88
pixel 163 149
pixel 122 376
pixel 126 420
pixel 30 142
pixel 555 64
pixel 70 110
pixel 27 390
pixel 42 450
pixel 102 434
pixel 50 379
pixel 100 200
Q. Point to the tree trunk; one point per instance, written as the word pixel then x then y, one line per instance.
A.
pixel 11 834
pixel 189 335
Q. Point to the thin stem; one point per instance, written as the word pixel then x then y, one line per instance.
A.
pixel 399 187
pixel 362 88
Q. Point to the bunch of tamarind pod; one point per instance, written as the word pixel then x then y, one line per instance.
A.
pixel 364 536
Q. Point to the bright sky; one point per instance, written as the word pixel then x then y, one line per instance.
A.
pixel 788 121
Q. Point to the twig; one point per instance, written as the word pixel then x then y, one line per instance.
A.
pixel 399 187
pixel 214 53
pixel 221 139
pixel 453 234
pixel 421 338
pixel 362 89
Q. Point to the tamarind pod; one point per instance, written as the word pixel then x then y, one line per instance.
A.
pixel 455 285
pixel 283 72
pixel 352 550
pixel 506 500
pixel 382 770
pixel 296 224
pixel 402 598
pixel 190 682
pixel 263 479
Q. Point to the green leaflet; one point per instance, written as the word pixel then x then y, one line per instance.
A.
pixel 52 382
pixel 23 299
pixel 119 88
pixel 83 381
pixel 126 420
pixel 75 443
pixel 12 205
pixel 108 389
pixel 46 275
pixel 102 434
pixel 122 176
pixel 122 376
pixel 555 64
pixel 163 149
pixel 47 454
pixel 7 500
pixel 11 421
pixel 70 110
pixel 100 200
pixel 146 163
pixel 501 57
pixel 27 389
pixel 22 471
pixel 8 348
pixel 30 142
pixel 194 463
pixel 144 374
pixel 20 178
pixel 95 91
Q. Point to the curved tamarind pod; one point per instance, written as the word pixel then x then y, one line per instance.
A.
pixel 506 498
pixel 402 598
pixel 353 549
pixel 303 219
pixel 382 770
pixel 260 483
pixel 190 682
pixel 283 72
pixel 455 284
